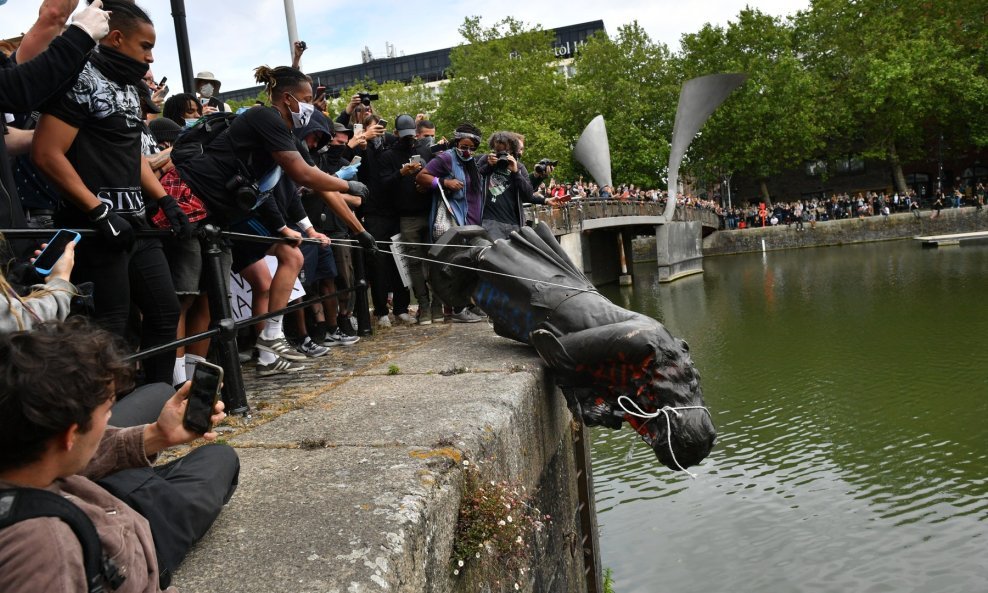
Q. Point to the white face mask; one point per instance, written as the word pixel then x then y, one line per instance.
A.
pixel 206 90
pixel 304 114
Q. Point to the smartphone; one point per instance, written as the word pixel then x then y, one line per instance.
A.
pixel 203 394
pixel 214 102
pixel 203 101
pixel 358 129
pixel 356 160
pixel 383 123
pixel 56 247
pixel 164 79
pixel 417 160
pixel 320 91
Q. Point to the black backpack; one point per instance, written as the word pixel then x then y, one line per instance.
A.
pixel 20 504
pixel 191 142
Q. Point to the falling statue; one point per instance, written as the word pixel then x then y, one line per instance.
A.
pixel 611 364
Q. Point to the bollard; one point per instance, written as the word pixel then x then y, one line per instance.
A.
pixel 225 346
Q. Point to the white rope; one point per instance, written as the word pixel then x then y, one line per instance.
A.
pixel 664 411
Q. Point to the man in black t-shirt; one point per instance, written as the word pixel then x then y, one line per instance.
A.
pixel 88 143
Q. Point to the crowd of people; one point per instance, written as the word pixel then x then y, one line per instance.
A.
pixel 92 141
pixel 844 206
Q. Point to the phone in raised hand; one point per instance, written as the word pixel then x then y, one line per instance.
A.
pixel 207 379
pixel 54 250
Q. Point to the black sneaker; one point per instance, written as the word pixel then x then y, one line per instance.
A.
pixel 338 338
pixel 345 325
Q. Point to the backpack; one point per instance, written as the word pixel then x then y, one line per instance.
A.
pixel 191 142
pixel 20 504
pixel 230 198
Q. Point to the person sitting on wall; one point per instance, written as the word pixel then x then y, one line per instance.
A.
pixel 54 435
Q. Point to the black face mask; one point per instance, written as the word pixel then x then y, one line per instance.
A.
pixel 335 150
pixel 118 67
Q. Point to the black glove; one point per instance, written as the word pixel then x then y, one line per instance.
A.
pixel 367 241
pixel 355 188
pixel 116 231
pixel 176 217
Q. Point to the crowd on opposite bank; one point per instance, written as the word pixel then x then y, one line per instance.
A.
pixel 844 206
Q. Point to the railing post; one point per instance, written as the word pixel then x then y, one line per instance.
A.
pixel 361 306
pixel 220 315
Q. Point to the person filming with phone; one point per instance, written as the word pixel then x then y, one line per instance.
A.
pixel 57 438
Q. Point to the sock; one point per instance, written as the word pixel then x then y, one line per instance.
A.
pixel 265 357
pixel 272 328
pixel 190 363
pixel 178 375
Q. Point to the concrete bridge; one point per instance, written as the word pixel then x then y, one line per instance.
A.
pixel 597 235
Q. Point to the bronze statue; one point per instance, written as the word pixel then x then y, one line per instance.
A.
pixel 613 365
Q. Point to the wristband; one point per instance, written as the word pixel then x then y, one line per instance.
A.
pixel 305 224
pixel 435 182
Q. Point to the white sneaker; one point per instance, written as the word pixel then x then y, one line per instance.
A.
pixel 383 321
pixel 406 319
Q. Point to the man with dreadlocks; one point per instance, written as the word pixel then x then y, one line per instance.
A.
pixel 88 143
pixel 259 143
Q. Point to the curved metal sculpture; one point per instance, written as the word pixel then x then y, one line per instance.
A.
pixel 613 365
pixel 697 100
pixel 593 151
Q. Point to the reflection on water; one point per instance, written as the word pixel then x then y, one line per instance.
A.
pixel 849 386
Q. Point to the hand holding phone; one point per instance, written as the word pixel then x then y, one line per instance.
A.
pixel 53 251
pixel 203 394
pixel 417 160
pixel 358 129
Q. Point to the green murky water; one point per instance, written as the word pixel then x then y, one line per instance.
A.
pixel 849 386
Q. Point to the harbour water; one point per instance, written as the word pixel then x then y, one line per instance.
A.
pixel 849 386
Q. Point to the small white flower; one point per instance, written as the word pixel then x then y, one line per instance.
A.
pixel 518 540
pixel 509 519
pixel 465 462
pixel 459 563
pixel 501 523
pixel 478 555
pixel 456 571
pixel 517 586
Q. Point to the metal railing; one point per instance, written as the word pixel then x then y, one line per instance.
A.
pixel 221 321
pixel 569 217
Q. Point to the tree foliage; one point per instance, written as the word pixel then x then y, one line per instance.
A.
pixel 505 77
pixel 629 81
pixel 775 120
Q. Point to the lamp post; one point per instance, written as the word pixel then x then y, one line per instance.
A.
pixel 182 43
pixel 292 27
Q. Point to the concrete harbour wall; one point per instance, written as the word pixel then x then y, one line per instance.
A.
pixel 358 489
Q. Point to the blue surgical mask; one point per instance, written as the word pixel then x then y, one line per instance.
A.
pixel 190 122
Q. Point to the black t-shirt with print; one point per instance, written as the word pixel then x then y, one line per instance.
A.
pixel 501 197
pixel 106 152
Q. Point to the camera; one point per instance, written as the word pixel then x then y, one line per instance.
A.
pixel 540 167
pixel 502 160
pixel 244 191
pixel 366 98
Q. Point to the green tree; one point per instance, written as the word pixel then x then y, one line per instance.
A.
pixel 505 77
pixel 775 120
pixel 394 98
pixel 631 82
pixel 903 73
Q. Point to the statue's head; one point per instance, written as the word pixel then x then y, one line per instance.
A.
pixel 676 423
